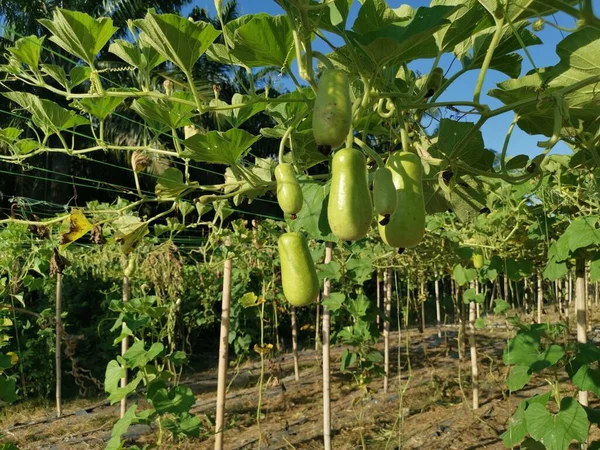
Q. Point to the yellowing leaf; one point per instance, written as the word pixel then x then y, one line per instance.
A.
pixel 263 350
pixel 14 358
pixel 306 326
pixel 77 225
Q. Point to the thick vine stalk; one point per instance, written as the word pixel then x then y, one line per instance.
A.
pixel 326 360
pixel 223 354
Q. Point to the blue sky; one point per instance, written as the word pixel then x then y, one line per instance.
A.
pixel 494 131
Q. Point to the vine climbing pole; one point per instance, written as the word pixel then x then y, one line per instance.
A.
pixel 438 315
pixel 295 343
pixel 326 371
pixel 125 342
pixel 540 296
pixel 580 308
pixel 378 285
pixel 58 351
pixel 387 279
pixel 317 322
pixel 472 342
pixel 223 355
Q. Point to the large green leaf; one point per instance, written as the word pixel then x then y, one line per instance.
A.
pixel 461 24
pixel 159 113
pixel 120 428
pixel 557 431
pixel 8 390
pixel 47 115
pixel 519 377
pixel 140 54
pixel 219 147
pixel 582 368
pixel 27 50
pixel 463 275
pixel 524 350
pixel 176 38
pixel 472 51
pixel 264 40
pixel 100 107
pixel 312 218
pixel 137 356
pixel 170 184
pixel 175 400
pixel 79 33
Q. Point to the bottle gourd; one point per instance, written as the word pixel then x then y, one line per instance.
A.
pixel 406 226
pixel 298 273
pixel 289 193
pixel 384 194
pixel 332 113
pixel 349 209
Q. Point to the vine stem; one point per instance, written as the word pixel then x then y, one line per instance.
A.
pixel 370 152
pixel 488 58
pixel 285 137
pixel 324 59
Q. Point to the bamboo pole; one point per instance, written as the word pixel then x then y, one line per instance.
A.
pixel 378 285
pixel 473 345
pixel 58 349
pixel 580 300
pixel 438 315
pixel 223 355
pixel 387 279
pixel 326 361
pixel 317 322
pixel 125 343
pixel 540 296
pixel 295 343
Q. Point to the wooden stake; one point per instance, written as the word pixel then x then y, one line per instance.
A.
pixel 317 322
pixel 125 343
pixel 377 282
pixel 295 343
pixel 223 355
pixel 474 372
pixel 326 370
pixel 387 279
pixel 438 315
pixel 58 350
pixel 580 308
pixel 540 296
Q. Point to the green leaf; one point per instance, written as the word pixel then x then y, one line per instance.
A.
pixel 78 75
pixel 78 33
pixel 130 230
pixel 264 40
pixel 501 306
pixel 142 55
pixel 463 275
pixel 524 349
pixel 334 301
pixel 219 147
pixel 176 38
pixel 57 73
pixel 359 269
pixel 46 114
pixel 332 271
pixel 557 431
pixel 161 113
pixel 451 133
pixel 517 428
pixel 462 22
pixel 372 16
pixel 479 323
pixel 170 184
pixel 100 107
pixel 176 400
pixel 347 360
pixel 137 357
pixel 582 368
pixel 517 162
pixel 358 308
pixel 312 218
pixel 120 428
pixel 582 232
pixel 27 50
pixel 519 377
pixel 8 389
pixel 595 268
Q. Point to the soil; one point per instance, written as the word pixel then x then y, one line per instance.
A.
pixel 427 406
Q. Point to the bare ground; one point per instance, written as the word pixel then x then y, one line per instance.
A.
pixel 428 405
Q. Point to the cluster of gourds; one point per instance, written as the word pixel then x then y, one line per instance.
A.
pixel 397 192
